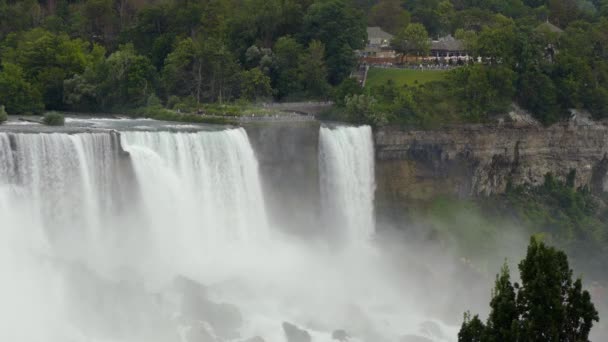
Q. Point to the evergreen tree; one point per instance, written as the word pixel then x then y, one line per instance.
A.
pixel 548 306
pixel 552 308
pixel 502 322
pixel 472 330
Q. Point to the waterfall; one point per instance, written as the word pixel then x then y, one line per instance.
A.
pixel 205 186
pixel 56 191
pixel 195 191
pixel 163 236
pixel 83 214
pixel 346 162
pixel 67 181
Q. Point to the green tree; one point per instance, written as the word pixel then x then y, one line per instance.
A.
pixel 100 23
pixel 152 33
pixel 474 18
pixel 446 14
pixel 482 90
pixel 364 109
pixel 348 87
pixel 312 70
pixel 262 22
pixel 468 38
pixel 603 8
pixel 129 78
pixel 183 73
pixel 18 16
pixel 414 39
pixel 341 28
pixel 287 53
pixel 549 305
pixel 502 322
pixel 389 15
pixel 497 44
pixel 573 76
pixel 81 92
pixel 53 119
pixel 203 69
pixel 563 12
pixel 538 94
pixel 426 12
pixel 86 91
pixel 472 329
pixel 255 85
pixel 3 115
pixel 47 60
pixel 16 93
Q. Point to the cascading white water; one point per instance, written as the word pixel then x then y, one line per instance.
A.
pixel 346 161
pixel 204 185
pixel 55 191
pixel 91 239
pixel 68 182
pixel 75 224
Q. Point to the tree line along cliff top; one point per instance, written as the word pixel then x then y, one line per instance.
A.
pixel 548 56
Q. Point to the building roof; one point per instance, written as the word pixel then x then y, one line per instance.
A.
pixel 377 33
pixel 447 43
pixel 548 26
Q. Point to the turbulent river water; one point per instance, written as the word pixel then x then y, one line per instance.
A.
pixel 164 235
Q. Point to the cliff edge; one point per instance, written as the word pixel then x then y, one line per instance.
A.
pixel 471 160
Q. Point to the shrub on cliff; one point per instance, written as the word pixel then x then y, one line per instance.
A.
pixel 53 119
pixel 364 109
pixel 160 113
pixel 3 115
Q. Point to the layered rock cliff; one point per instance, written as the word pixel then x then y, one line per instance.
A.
pixel 468 160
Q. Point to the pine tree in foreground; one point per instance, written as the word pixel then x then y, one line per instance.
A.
pixel 547 306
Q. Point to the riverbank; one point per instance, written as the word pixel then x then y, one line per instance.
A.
pixel 212 114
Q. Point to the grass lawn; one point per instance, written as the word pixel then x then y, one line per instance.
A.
pixel 379 76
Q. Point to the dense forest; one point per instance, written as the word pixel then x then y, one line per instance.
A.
pixel 546 56
pixel 106 55
pixel 118 55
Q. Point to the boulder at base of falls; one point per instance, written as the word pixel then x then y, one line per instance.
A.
pixel 340 335
pixel 295 334
pixel 225 319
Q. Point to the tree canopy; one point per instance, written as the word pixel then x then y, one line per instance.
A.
pixel 104 55
pixel 548 56
pixel 413 39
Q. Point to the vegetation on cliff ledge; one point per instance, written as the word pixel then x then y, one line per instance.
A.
pixel 571 218
pixel 3 115
pixel 112 56
pixel 53 119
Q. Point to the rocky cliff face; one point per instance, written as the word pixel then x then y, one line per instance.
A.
pixel 468 160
